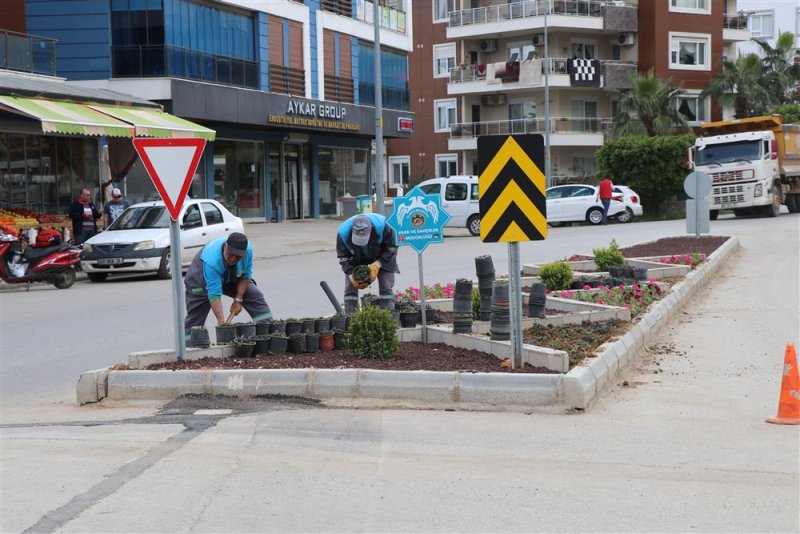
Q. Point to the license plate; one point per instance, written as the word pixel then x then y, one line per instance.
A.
pixel 109 261
pixel 726 206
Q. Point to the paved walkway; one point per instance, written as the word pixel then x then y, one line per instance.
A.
pixel 272 240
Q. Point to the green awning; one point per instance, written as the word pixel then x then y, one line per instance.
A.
pixel 67 117
pixel 155 123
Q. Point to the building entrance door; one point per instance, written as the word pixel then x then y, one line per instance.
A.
pixel 297 182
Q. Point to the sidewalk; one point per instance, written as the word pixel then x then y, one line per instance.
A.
pixel 289 238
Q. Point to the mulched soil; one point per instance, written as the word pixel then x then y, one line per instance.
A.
pixel 579 341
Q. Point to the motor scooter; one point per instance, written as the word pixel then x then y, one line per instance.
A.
pixel 21 263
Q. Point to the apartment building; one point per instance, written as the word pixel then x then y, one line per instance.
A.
pixel 767 20
pixel 485 67
pixel 288 86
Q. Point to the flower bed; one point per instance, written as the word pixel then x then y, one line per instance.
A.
pixel 692 260
pixel 634 297
pixel 436 291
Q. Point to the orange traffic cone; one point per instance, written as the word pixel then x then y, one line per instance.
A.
pixel 789 405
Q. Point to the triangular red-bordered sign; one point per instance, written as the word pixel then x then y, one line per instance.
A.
pixel 171 164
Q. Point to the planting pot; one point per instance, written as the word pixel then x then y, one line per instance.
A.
pixel 640 274
pixel 326 341
pixel 615 271
pixel 294 327
pixel 262 344
pixel 338 322
pixel 277 327
pixel 577 284
pixel 308 326
pixel 312 342
pixel 198 338
pixel 225 334
pixel 484 266
pixel 245 330
pixel 262 328
pixel 244 349
pixel 323 324
pixel 339 340
pixel 278 344
pixel 297 343
pixel 627 272
pixel 408 319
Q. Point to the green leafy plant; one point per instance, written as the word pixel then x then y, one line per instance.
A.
pixel 373 333
pixel 608 257
pixel 556 275
pixel 476 303
pixel 634 297
pixel 361 274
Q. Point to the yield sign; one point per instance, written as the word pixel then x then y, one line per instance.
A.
pixel 171 164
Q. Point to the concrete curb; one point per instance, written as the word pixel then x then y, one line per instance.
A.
pixel 575 389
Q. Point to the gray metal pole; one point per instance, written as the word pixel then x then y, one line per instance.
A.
pixel 378 112
pixel 515 303
pixel 178 301
pixel 422 299
pixel 546 101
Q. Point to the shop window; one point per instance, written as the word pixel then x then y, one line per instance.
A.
pixel 238 176
pixel 342 172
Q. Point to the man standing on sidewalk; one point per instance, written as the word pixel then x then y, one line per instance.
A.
pixel 605 193
pixel 115 206
pixel 84 217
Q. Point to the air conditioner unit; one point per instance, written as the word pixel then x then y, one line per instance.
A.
pixel 488 45
pixel 498 99
pixel 538 39
pixel 626 38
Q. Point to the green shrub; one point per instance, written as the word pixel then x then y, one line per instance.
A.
pixel 556 275
pixel 373 333
pixel 476 303
pixel 608 257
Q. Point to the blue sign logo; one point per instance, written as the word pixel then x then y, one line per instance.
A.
pixel 418 219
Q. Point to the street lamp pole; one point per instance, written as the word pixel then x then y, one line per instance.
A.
pixel 546 102
pixel 378 112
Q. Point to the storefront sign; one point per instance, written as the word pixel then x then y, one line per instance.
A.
pixel 314 114
pixel 405 124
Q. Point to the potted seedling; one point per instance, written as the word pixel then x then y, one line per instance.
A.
pixel 326 340
pixel 243 348
pixel 278 343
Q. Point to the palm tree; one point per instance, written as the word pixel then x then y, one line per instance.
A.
pixel 741 85
pixel 648 107
pixel 781 73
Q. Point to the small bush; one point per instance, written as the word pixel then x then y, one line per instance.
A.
pixel 476 303
pixel 373 333
pixel 608 257
pixel 556 275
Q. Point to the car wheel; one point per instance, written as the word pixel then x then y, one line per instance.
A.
pixel 713 214
pixel 594 216
pixel 626 216
pixel 65 280
pixel 97 277
pixel 164 272
pixel 474 225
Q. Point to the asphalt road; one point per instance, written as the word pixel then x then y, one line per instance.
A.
pixel 677 444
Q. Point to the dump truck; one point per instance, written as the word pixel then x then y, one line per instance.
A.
pixel 754 165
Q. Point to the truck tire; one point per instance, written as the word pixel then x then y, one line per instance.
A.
pixel 793 202
pixel 774 209
pixel 713 214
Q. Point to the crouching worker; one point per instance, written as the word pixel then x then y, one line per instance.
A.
pixel 366 239
pixel 223 267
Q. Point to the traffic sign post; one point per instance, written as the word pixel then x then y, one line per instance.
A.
pixel 512 207
pixel 697 186
pixel 418 220
pixel 171 164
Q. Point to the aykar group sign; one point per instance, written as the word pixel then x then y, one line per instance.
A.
pixel 418 219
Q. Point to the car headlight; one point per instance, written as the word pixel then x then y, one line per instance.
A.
pixel 758 191
pixel 145 245
pixel 86 247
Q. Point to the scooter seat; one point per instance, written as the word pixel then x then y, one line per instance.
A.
pixel 33 255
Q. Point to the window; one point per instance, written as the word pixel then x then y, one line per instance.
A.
pixel 797 23
pixel 455 191
pixel 475 192
pixel 191 219
pixel 520 115
pixel 212 213
pixel 446 165
pixel 444 59
pixel 441 8
pixel 522 49
pixel 584 166
pixel 584 50
pixel 690 6
pixel 445 113
pixel 689 51
pixel 431 189
pixel 399 170
pixel 693 108
pixel 761 24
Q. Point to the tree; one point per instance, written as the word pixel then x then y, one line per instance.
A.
pixel 740 85
pixel 790 113
pixel 648 107
pixel 781 74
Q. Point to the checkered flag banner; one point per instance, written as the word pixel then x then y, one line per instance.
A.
pixel 584 72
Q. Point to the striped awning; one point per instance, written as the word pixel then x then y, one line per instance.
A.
pixel 155 123
pixel 74 118
pixel 67 117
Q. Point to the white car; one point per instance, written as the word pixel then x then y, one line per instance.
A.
pixel 632 203
pixel 459 197
pixel 138 240
pixel 578 203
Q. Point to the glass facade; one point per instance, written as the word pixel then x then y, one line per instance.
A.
pixel 341 171
pixel 394 74
pixel 45 173
pixel 238 175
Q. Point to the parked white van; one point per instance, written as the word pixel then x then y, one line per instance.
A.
pixel 459 195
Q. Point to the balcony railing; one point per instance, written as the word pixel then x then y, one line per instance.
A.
pixel 558 125
pixel 734 22
pixel 338 7
pixel 392 98
pixel 339 89
pixel 390 18
pixel 528 8
pixel 474 73
pixel 161 60
pixel 27 53
pixel 287 80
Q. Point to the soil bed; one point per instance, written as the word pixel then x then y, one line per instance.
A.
pixel 674 246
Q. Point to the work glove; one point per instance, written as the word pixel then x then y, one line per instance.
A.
pixel 374 267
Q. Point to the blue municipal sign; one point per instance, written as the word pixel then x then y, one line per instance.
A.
pixel 418 219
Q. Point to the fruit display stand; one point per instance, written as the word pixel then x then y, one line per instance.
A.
pixel 14 221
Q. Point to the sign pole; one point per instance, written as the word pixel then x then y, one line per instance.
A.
pixel 178 301
pixel 698 201
pixel 422 299
pixel 515 302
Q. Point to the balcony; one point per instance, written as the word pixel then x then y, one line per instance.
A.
pixel 27 53
pixel 520 17
pixel 564 131
pixel 390 17
pixel 734 28
pixel 160 61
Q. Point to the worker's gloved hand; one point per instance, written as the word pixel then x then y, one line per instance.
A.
pixel 374 267
pixel 355 284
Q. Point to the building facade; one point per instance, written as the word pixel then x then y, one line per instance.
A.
pixel 767 20
pixel 490 71
pixel 289 88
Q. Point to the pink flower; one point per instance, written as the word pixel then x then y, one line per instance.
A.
pixel 601 301
pixel 587 286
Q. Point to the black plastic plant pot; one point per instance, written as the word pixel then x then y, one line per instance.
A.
pixel 323 324
pixel 484 266
pixel 312 342
pixel 615 271
pixel 245 330
pixel 408 319
pixel 278 345
pixel 297 343
pixel 262 344
pixel 640 274
pixel 244 349
pixel 339 340
pixel 294 327
pixel 338 322
pixel 308 326
pixel 277 327
pixel 226 333
pixel 262 328
pixel 198 338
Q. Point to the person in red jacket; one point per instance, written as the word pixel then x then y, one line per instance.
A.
pixel 605 192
